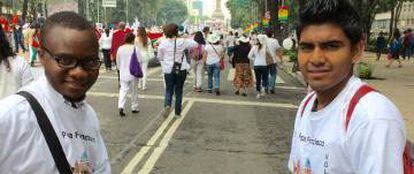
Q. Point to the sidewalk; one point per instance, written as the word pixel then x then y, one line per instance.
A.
pixel 395 83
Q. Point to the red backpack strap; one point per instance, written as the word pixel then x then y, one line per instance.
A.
pixel 306 104
pixel 362 91
pixel 407 159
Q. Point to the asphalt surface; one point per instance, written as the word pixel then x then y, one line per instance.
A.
pixel 215 134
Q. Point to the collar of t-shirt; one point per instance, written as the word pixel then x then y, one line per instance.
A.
pixel 351 82
pixel 56 97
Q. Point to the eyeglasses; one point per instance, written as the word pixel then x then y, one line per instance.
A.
pixel 66 62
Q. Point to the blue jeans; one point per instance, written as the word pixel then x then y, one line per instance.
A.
pixel 213 70
pixel 174 84
pixel 262 76
pixel 272 73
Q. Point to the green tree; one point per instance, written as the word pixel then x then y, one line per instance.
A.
pixel 240 11
pixel 172 11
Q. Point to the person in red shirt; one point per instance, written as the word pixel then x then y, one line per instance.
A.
pixel 34 46
pixel 118 39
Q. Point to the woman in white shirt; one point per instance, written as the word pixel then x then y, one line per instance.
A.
pixel 106 43
pixel 174 66
pixel 144 46
pixel 258 55
pixel 197 63
pixel 128 82
pixel 14 71
pixel 213 54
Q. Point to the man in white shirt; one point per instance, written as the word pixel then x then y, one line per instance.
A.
pixel 274 49
pixel 69 54
pixel 331 135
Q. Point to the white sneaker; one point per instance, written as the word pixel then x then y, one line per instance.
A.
pixel 263 94
pixel 258 96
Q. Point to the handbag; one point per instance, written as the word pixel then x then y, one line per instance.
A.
pixel 134 66
pixel 49 134
pixel 269 57
pixel 222 63
pixel 176 69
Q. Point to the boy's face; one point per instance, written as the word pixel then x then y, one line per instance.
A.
pixel 69 43
pixel 326 56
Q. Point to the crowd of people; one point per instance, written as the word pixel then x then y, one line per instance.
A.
pixel 342 126
pixel 400 45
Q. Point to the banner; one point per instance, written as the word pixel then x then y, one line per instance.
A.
pixel 283 13
pixel 251 27
pixel 266 20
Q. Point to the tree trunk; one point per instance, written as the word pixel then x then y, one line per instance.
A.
pixel 395 16
pixel 24 13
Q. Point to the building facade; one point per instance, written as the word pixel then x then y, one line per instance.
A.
pixel 382 20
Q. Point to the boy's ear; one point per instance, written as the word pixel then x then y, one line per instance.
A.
pixel 357 51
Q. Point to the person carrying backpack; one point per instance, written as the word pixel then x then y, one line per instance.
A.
pixel 395 48
pixel 344 126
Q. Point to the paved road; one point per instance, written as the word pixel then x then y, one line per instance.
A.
pixel 216 134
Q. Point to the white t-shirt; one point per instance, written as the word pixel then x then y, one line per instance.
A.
pixel 123 59
pixel 258 56
pixel 231 39
pixel 106 41
pixel 23 146
pixel 146 52
pixel 18 76
pixel 213 56
pixel 273 46
pixel 373 143
pixel 166 53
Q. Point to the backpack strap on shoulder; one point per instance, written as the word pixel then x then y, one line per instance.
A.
pixel 361 92
pixel 306 104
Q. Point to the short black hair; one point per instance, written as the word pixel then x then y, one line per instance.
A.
pixel 206 29
pixel 65 19
pixel 338 12
pixel 199 38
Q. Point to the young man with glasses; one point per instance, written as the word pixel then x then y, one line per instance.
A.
pixel 69 54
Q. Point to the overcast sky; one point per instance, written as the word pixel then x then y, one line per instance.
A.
pixel 210 6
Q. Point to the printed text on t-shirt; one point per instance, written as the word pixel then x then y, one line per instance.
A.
pixel 311 140
pixel 77 135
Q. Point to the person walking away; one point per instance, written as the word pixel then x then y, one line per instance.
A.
pixel 147 53
pixel 18 39
pixel 230 40
pixel 407 43
pixel 174 66
pixel 405 49
pixel 274 50
pixel 395 48
pixel 49 127
pixel 118 39
pixel 14 71
pixel 197 62
pixel 213 54
pixel 27 32
pixel 243 78
pixel 258 55
pixel 381 43
pixel 344 126
pixel 206 32
pixel 106 43
pixel 34 46
pixel 128 82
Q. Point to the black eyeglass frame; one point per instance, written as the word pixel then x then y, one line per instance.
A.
pixel 76 62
